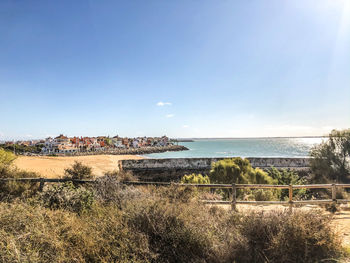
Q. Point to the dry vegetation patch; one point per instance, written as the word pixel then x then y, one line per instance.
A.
pixel 160 225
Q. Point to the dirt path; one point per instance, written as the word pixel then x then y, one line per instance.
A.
pixel 53 167
pixel 341 222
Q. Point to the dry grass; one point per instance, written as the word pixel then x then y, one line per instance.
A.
pixel 161 225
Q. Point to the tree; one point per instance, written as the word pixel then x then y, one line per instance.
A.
pixel 238 171
pixel 330 160
pixel 6 157
pixel 287 177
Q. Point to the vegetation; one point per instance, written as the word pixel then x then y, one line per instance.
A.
pixel 195 179
pixel 287 177
pixel 78 171
pixel 331 159
pixel 239 171
pixel 152 227
pixel 6 157
pixel 19 148
pixel 111 222
pixel 67 196
pixel 10 190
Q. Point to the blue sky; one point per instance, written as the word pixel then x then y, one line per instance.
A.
pixel 182 68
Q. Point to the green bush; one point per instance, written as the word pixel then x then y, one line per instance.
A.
pixel 78 171
pixel 195 179
pixel 287 177
pixel 67 196
pixel 239 171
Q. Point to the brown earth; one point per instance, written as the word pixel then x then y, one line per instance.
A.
pixel 53 167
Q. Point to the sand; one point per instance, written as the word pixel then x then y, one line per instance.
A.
pixel 53 167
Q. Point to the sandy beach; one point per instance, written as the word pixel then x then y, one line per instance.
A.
pixel 53 167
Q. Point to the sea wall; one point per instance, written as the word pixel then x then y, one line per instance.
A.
pixel 175 168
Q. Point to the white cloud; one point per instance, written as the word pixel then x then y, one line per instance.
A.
pixel 169 115
pixel 161 103
pixel 185 126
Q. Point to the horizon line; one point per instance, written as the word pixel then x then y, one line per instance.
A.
pixel 263 137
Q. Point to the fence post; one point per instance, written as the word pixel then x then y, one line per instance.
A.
pixel 334 194
pixel 234 196
pixel 41 186
pixel 290 198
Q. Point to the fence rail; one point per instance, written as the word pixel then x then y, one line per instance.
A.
pixel 233 187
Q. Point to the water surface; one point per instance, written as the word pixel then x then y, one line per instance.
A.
pixel 257 147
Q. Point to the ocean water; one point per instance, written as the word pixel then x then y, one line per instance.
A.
pixel 257 147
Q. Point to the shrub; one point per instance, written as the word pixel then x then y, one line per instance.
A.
pixel 78 171
pixel 278 236
pixel 108 189
pixel 122 176
pixel 156 229
pixel 239 171
pixel 176 232
pixel 36 234
pixel 195 179
pixel 12 189
pixel 287 177
pixel 175 194
pixel 67 196
pixel 261 195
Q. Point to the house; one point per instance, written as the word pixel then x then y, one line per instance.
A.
pixel 125 142
pixel 61 144
pixel 135 143
pixel 117 142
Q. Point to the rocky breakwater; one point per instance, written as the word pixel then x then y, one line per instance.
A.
pixel 174 168
pixel 132 151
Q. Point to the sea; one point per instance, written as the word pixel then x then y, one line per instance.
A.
pixel 244 147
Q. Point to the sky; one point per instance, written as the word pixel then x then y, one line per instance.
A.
pixel 191 68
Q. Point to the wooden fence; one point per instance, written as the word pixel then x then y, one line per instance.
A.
pixel 232 187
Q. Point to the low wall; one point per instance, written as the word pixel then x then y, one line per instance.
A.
pixel 175 168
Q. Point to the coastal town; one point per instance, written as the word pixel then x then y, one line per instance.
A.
pixel 74 145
